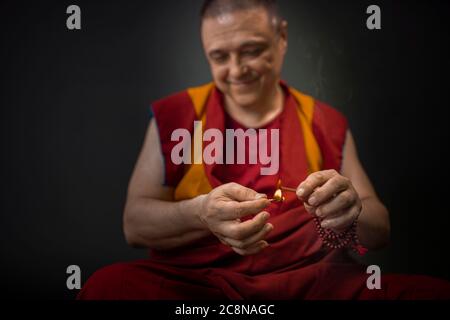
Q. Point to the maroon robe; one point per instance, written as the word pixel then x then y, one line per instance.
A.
pixel 296 265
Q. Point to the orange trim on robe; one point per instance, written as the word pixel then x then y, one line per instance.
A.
pixel 195 182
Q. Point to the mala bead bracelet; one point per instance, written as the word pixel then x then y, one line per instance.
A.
pixel 345 239
pixel 330 239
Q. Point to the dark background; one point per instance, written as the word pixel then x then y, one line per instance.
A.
pixel 74 110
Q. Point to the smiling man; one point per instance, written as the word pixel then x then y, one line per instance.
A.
pixel 212 230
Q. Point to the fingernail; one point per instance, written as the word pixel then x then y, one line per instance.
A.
pixel 325 224
pixel 300 192
pixel 268 227
pixel 260 196
pixel 312 201
pixel 318 213
pixel 266 215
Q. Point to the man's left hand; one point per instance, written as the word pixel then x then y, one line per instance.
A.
pixel 331 197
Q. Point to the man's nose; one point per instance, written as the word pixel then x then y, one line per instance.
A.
pixel 237 69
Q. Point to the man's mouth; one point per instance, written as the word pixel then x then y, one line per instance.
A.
pixel 243 82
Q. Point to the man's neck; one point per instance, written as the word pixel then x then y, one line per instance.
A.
pixel 259 114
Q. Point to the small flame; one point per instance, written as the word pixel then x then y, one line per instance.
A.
pixel 278 196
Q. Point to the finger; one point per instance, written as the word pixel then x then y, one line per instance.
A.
pixel 238 192
pixel 309 209
pixel 343 200
pixel 250 241
pixel 328 190
pixel 235 210
pixel 221 239
pixel 243 230
pixel 256 248
pixel 341 221
pixel 314 180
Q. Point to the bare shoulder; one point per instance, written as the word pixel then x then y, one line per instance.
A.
pixel 148 175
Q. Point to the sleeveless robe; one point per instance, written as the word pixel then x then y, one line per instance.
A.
pixel 296 265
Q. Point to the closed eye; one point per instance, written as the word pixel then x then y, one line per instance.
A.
pixel 218 57
pixel 252 52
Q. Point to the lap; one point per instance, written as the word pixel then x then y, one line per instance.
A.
pixel 146 280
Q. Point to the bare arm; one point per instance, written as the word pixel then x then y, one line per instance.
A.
pixel 340 198
pixel 373 222
pixel 151 217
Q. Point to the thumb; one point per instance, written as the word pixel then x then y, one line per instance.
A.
pixel 240 193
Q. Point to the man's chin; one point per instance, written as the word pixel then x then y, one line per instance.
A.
pixel 245 100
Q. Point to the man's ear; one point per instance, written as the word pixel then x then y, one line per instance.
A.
pixel 284 34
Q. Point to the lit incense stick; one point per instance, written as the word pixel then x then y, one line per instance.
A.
pixel 278 195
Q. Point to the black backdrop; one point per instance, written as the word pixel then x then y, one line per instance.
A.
pixel 74 109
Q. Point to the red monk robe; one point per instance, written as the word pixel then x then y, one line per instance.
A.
pixel 296 265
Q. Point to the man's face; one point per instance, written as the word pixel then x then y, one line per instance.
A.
pixel 245 54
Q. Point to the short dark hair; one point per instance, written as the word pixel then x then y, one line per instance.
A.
pixel 214 8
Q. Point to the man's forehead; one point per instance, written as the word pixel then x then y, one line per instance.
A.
pixel 235 41
pixel 237 27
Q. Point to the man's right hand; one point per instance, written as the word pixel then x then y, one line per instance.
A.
pixel 222 210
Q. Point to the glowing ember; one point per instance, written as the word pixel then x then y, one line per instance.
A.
pixel 278 196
